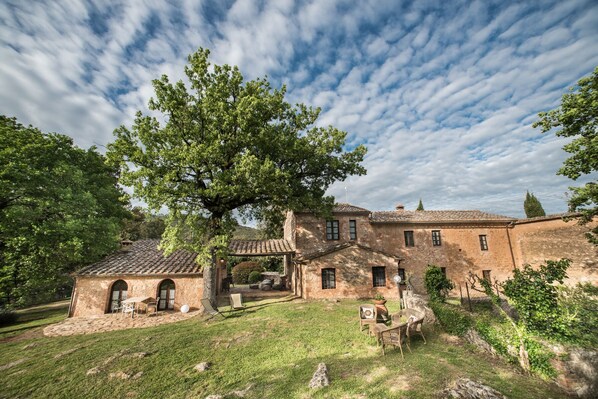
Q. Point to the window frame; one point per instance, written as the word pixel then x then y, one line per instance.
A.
pixel 436 238
pixel 403 275
pixel 487 275
pixel 166 303
pixel 483 242
pixel 409 242
pixel 352 230
pixel 326 281
pixel 121 287
pixel 331 227
pixel 377 279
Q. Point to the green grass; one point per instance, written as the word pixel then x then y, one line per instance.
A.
pixel 34 317
pixel 272 348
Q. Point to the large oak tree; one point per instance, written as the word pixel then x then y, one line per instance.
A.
pixel 227 146
pixel 577 117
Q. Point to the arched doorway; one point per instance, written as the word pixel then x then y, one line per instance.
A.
pixel 118 293
pixel 166 294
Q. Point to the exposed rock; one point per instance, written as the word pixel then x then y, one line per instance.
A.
pixel 214 397
pixel 242 393
pixel 464 388
pixel 254 286
pixel 139 355
pixel 419 302
pixel 137 375
pixel 120 375
pixel 277 287
pixel 320 378
pixel 94 371
pixel 203 366
pixel 474 338
pixel 579 372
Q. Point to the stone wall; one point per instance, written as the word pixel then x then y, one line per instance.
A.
pixel 353 269
pixel 537 240
pixel 92 294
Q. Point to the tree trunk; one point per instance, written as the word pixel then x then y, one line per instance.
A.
pixel 209 280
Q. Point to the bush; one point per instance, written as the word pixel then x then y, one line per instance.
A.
pixel 254 277
pixel 7 317
pixel 579 303
pixel 437 284
pixel 242 270
pixel 454 320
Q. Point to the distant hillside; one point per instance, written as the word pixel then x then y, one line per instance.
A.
pixel 246 233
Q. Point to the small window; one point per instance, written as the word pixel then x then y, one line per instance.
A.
pixel 352 229
pixel 443 270
pixel 328 279
pixel 166 294
pixel 332 230
pixel 436 238
pixel 403 276
pixel 118 293
pixel 483 242
pixel 486 275
pixel 409 241
pixel 379 276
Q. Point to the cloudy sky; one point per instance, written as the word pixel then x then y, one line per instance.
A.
pixel 443 93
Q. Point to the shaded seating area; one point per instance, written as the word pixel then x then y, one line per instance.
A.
pixel 210 309
pixel 368 316
pixel 236 302
pixel 415 320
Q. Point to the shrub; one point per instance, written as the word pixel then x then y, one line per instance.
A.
pixel 579 303
pixel 454 320
pixel 437 284
pixel 242 270
pixel 254 277
pixel 7 317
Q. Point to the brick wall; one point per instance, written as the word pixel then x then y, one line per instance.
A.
pixel 92 294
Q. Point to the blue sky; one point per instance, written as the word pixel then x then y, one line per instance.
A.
pixel 443 93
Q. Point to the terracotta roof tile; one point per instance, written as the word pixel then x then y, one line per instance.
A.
pixel 260 247
pixel 143 258
pixel 435 217
pixel 548 217
pixel 348 208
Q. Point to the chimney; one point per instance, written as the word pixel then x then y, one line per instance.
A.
pixel 125 245
pixel 400 207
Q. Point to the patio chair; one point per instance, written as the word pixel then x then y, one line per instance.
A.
pixel 368 315
pixel 128 308
pixel 394 335
pixel 211 310
pixel 236 302
pixel 151 308
pixel 415 320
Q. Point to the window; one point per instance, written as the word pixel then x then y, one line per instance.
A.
pixel 118 293
pixel 352 229
pixel 402 275
pixel 332 230
pixel 483 242
pixel 166 295
pixel 436 238
pixel 443 270
pixel 379 276
pixel 409 241
pixel 328 279
pixel 486 275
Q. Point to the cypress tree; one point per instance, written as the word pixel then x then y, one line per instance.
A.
pixel 532 206
pixel 420 207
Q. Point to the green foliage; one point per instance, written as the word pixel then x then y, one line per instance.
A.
pixel 577 117
pixel 437 285
pixel 60 208
pixel 453 319
pixel 254 277
pixel 539 357
pixel 7 316
pixel 242 271
pixel 532 206
pixel 579 304
pixel 142 225
pixel 534 296
pixel 420 206
pixel 379 297
pixel 228 147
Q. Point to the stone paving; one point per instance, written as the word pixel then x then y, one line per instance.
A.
pixel 111 322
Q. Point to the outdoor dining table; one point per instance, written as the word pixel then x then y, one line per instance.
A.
pixel 137 300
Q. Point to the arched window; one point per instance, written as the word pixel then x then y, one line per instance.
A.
pixel 118 293
pixel 166 294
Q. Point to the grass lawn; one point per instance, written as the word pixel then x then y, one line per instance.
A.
pixel 35 317
pixel 271 351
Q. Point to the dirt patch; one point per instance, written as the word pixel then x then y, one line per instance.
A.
pixel 30 334
pixel 403 382
pixel 376 374
pixel 450 339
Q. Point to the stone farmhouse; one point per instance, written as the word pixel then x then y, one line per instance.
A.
pixel 355 254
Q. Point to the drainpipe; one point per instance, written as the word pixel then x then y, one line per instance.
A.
pixel 510 226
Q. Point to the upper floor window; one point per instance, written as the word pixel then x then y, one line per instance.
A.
pixel 328 278
pixel 352 229
pixel 409 241
pixel 483 242
pixel 332 230
pixel 379 276
pixel 436 238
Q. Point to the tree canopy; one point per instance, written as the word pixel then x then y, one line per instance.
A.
pixel 227 147
pixel 577 117
pixel 420 206
pixel 60 207
pixel 532 206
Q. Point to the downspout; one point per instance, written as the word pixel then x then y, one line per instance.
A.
pixel 510 226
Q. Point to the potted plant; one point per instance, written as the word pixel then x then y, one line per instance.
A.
pixel 379 299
